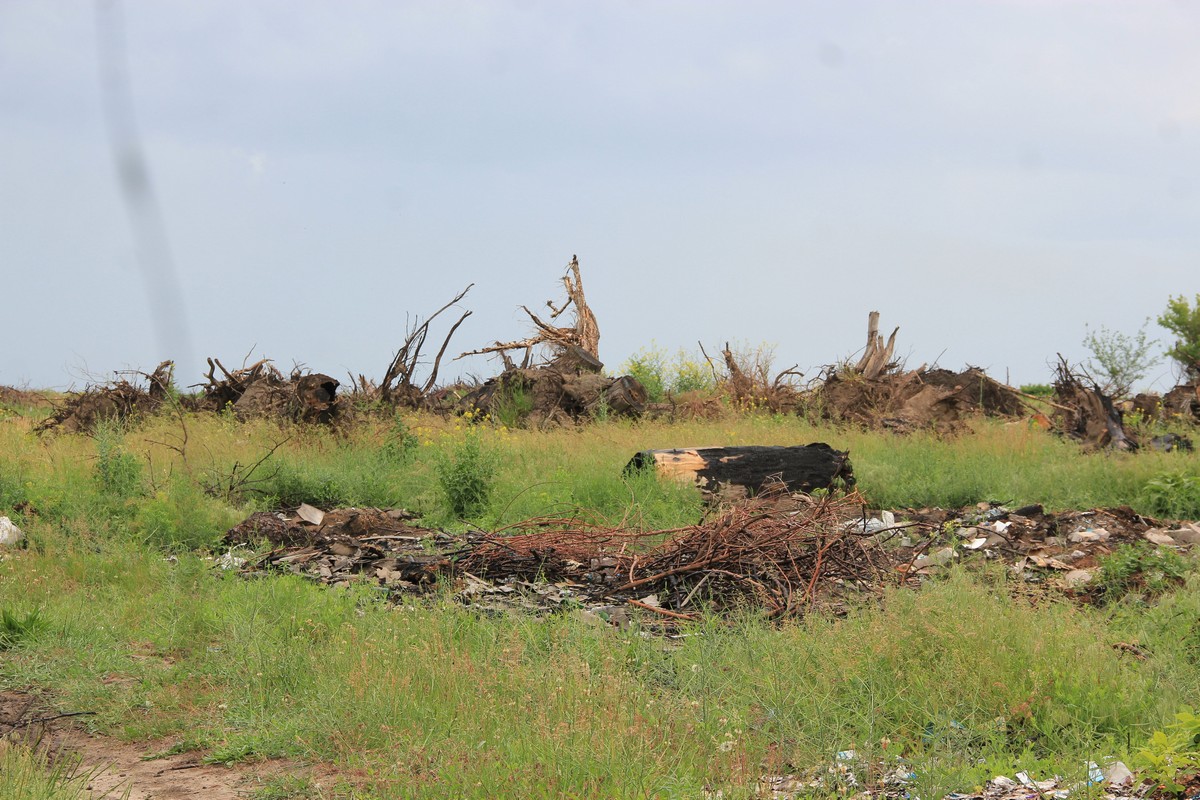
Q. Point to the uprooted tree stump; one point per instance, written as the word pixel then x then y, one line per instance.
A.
pixel 262 391
pixel 116 401
pixel 559 376
pixel 1183 402
pixel 920 399
pixel 731 472
pixel 572 348
pixel 540 396
pixel 1088 415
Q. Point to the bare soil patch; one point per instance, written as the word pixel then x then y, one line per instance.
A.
pixel 114 767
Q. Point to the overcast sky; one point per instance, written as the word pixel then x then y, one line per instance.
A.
pixel 992 177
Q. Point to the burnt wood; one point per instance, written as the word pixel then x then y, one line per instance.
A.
pixel 801 468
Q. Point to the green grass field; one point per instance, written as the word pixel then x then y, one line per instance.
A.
pixel 128 618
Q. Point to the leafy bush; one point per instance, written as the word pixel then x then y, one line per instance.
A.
pixel 1118 359
pixel 401 442
pixel 649 366
pixel 691 375
pixel 467 476
pixel 1173 494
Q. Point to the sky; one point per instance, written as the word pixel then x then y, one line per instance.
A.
pixel 300 180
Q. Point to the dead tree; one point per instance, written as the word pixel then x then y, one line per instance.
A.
pixel 399 384
pixel 577 346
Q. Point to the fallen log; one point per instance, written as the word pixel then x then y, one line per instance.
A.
pixel 746 470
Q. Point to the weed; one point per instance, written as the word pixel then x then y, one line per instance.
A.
pixel 14 630
pixel 1173 494
pixel 401 443
pixel 118 472
pixel 513 404
pixel 181 516
pixel 285 787
pixel 292 485
pixel 31 773
pixel 1132 568
pixel 467 476
pixel 1172 751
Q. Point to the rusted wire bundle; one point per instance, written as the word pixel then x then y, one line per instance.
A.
pixel 778 559
pixel 553 548
pixel 757 552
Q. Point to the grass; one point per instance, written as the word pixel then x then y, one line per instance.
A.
pixel 28 773
pixel 434 700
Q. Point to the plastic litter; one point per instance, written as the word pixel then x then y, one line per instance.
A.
pixel 10 534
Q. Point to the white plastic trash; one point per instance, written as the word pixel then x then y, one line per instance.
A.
pixel 10 534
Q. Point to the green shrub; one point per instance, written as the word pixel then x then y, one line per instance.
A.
pixel 691 375
pixel 649 366
pixel 1173 494
pixel 1183 320
pixel 1038 389
pixel 467 476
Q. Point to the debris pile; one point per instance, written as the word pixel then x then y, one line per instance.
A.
pixel 115 401
pixel 11 397
pixel 345 544
pixel 892 779
pixel 1060 551
pixel 537 396
pixel 783 557
pixel 780 552
pixel 262 391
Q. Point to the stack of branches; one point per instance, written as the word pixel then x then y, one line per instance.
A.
pixel 574 348
pixel 746 380
pixel 261 391
pixel 754 552
pixel 115 401
pixel 1086 414
pixel 400 385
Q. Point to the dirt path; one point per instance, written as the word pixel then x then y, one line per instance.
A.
pixel 115 767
